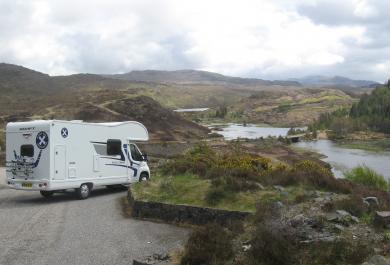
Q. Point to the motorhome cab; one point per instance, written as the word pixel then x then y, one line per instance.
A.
pixel 53 155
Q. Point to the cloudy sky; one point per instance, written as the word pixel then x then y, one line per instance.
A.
pixel 273 39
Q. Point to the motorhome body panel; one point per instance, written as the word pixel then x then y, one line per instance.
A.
pixel 76 153
pixel 28 134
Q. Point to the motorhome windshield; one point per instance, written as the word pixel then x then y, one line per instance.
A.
pixel 135 153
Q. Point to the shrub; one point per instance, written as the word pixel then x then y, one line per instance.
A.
pixel 307 173
pixel 197 161
pixel 2 144
pixel 272 246
pixel 208 245
pixel 233 169
pixel 339 252
pixel 353 204
pixel 215 195
pixel 368 177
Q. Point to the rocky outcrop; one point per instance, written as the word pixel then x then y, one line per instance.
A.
pixel 377 260
pixel 383 218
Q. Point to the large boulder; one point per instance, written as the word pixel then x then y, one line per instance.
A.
pixel 377 260
pixel 383 218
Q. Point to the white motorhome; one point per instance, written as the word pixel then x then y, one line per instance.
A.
pixel 53 155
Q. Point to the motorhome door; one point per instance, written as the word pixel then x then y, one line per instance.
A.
pixel 135 160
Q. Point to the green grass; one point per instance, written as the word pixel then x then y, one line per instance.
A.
pixel 189 189
pixel 381 145
pixel 368 177
pixel 182 189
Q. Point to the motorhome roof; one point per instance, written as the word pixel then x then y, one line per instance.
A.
pixel 45 122
pixel 137 130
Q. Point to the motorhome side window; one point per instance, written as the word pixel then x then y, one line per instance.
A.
pixel 114 147
pixel 135 154
pixel 27 150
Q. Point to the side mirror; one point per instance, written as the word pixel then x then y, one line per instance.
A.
pixel 145 157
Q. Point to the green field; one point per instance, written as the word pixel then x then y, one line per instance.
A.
pixel 189 189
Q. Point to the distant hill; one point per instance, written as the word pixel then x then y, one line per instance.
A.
pixel 334 81
pixel 28 95
pixel 197 77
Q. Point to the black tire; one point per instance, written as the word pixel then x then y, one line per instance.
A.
pixel 84 191
pixel 143 177
pixel 46 193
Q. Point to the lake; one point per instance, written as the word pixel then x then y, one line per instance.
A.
pixel 233 131
pixel 192 110
pixel 340 158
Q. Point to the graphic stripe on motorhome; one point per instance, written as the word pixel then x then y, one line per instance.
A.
pixel 130 167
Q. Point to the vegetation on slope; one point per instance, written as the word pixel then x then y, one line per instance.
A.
pixel 368 177
pixel 372 112
pixel 291 203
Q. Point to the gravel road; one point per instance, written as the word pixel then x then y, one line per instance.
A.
pixel 64 230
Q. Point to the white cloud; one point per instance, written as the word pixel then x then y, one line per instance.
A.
pixel 263 38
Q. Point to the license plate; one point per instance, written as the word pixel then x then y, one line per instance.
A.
pixel 27 185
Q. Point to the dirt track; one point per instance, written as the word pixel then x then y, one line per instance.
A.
pixel 64 230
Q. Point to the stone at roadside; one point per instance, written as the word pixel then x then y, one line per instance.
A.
pixel 137 262
pixel 161 256
pixel 383 218
pixel 155 259
pixel 377 260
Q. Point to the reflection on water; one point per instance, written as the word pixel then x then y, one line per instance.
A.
pixel 250 131
pixel 343 159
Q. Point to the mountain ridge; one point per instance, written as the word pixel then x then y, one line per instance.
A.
pixel 189 76
pixel 334 81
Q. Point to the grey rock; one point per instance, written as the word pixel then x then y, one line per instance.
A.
pixel 284 193
pixel 161 256
pixel 377 260
pixel 342 213
pixel 136 262
pixel 355 219
pixel 383 218
pixel 277 205
pixel 279 188
pixel 369 201
pixel 246 248
pixel 297 220
pixel 342 217
pixel 259 186
pixel 339 228
pixel 332 217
